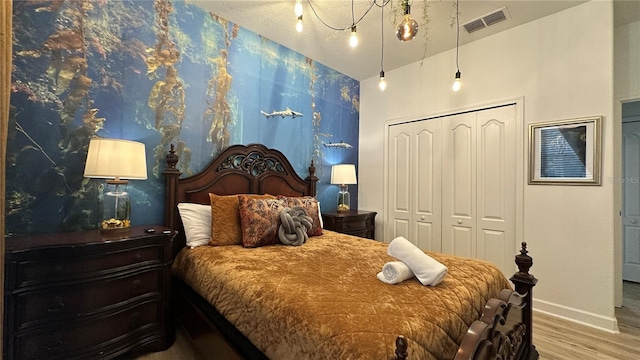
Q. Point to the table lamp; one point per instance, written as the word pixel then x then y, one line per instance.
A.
pixel 343 175
pixel 117 161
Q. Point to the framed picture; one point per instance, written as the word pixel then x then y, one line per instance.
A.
pixel 565 152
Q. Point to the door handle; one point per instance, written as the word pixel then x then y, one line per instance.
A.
pixel 634 221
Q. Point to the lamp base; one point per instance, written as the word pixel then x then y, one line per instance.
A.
pixel 344 199
pixel 115 231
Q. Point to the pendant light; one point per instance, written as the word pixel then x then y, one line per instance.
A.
pixel 298 11
pixel 407 27
pixel 353 40
pixel 382 84
pixel 456 82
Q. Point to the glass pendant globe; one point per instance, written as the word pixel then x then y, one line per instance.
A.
pixel 407 29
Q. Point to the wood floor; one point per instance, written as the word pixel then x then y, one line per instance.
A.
pixel 555 339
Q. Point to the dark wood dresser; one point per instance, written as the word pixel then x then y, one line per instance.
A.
pixel 87 295
pixel 354 222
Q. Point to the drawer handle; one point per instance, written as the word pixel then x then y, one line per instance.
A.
pixel 137 256
pixel 58 269
pixel 56 305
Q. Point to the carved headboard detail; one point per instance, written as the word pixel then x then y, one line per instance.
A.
pixel 239 169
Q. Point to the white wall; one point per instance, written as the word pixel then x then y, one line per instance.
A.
pixel 563 67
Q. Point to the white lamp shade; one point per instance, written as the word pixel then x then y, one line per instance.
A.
pixel 116 158
pixel 343 174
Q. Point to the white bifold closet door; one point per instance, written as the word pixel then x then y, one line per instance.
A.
pixel 414 208
pixel 451 184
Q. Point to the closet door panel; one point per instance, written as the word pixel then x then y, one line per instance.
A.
pixel 427 190
pixel 459 185
pixel 461 240
pixel 496 186
pixel 399 178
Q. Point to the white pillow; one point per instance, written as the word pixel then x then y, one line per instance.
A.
pixel 196 219
pixel 320 216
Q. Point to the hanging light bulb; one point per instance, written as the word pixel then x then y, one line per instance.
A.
pixel 382 84
pixel 353 40
pixel 457 83
pixel 298 8
pixel 407 27
pixel 299 24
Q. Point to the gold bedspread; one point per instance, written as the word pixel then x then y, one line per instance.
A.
pixel 322 300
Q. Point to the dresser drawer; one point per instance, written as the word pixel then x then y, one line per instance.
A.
pixel 87 337
pixel 47 270
pixel 68 302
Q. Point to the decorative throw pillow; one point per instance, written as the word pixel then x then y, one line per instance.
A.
pixel 311 207
pixel 260 219
pixel 196 220
pixel 226 228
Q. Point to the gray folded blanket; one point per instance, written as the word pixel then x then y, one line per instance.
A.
pixel 294 226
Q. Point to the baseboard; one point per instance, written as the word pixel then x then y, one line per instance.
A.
pixel 608 324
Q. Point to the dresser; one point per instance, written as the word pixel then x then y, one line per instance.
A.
pixel 87 295
pixel 354 222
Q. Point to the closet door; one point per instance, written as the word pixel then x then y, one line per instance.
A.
pixel 496 186
pixel 399 210
pixel 414 161
pixel 427 185
pixel 459 185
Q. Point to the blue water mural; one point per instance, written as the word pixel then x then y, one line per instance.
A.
pixel 161 73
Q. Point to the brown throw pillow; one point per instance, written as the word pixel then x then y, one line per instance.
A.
pixel 225 219
pixel 310 206
pixel 260 219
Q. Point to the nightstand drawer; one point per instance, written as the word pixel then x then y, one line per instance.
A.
pixel 355 222
pixel 68 302
pixel 49 270
pixel 71 339
pixel 351 224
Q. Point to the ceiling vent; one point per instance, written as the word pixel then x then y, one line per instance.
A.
pixel 486 20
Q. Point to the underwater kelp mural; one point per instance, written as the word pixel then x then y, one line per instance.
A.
pixel 159 72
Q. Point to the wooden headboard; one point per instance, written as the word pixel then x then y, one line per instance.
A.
pixel 239 169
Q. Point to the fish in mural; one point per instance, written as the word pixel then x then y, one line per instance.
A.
pixel 283 114
pixel 341 145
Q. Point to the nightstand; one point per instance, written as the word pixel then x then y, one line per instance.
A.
pixel 87 295
pixel 354 222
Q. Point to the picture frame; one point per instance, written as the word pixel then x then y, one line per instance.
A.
pixel 565 152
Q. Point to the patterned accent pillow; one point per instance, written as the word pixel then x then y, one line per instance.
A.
pixel 260 219
pixel 310 206
pixel 226 228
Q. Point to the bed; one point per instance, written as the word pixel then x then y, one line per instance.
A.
pixel 322 299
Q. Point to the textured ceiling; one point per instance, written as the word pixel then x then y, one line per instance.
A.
pixel 275 20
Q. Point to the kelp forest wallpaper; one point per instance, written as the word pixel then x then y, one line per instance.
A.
pixel 162 73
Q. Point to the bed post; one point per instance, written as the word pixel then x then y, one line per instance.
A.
pixel 171 175
pixel 401 349
pixel 524 283
pixel 312 178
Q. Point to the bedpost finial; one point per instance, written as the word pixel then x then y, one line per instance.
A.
pixel 312 169
pixel 401 348
pixel 524 261
pixel 172 158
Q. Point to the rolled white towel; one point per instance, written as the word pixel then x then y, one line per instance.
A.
pixel 394 272
pixel 428 270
